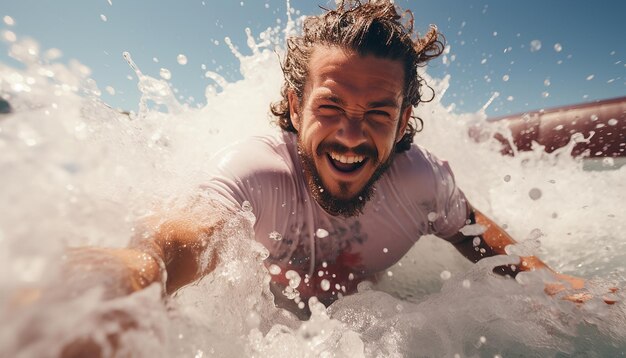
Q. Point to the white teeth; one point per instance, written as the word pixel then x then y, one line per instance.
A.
pixel 347 159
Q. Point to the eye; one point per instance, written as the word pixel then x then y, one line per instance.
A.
pixel 329 109
pixel 377 114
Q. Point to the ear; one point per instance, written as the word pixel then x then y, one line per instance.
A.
pixel 404 121
pixel 294 108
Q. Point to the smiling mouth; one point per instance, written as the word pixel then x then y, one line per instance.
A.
pixel 346 163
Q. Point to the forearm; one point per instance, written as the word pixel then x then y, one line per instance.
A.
pixel 492 241
pixel 184 248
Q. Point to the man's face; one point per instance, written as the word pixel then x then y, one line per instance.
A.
pixel 348 123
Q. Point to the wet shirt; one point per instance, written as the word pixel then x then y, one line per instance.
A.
pixel 416 196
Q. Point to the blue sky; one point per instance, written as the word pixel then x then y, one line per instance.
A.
pixel 490 41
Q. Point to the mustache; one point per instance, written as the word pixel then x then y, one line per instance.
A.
pixel 362 149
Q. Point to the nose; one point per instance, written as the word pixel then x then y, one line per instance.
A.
pixel 351 132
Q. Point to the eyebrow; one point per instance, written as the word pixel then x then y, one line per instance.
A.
pixel 387 102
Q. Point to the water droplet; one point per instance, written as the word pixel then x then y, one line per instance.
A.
pixel 274 269
pixel 52 54
pixel 103 17
pixel 545 94
pixel 385 250
pixel 432 216
pixel 325 284
pixel 291 293
pixel 590 77
pixel 534 193
pixel 246 206
pixel 165 74
pixel 8 20
pixel 324 264
pixel 321 233
pixel 608 162
pixel 483 340
pixel 389 273
pixel 466 284
pixel 294 278
pixel 445 275
pixel 9 36
pixel 476 241
pixel 558 47
pixel 535 45
pixel 351 276
pixel 274 235
pixel 181 59
pixel 505 78
pixel 612 122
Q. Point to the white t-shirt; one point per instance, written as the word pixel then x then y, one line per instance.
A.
pixel 416 196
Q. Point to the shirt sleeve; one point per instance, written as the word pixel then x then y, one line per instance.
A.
pixel 430 201
pixel 450 204
pixel 254 172
pixel 242 172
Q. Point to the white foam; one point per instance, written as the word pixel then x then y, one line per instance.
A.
pixel 76 172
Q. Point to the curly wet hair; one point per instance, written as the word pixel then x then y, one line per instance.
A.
pixel 373 28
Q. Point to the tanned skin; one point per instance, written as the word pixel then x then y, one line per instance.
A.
pixel 494 240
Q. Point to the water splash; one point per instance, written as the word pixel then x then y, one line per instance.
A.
pixel 77 172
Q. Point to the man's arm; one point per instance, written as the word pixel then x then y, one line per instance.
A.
pixel 174 251
pixel 493 240
pixel 183 247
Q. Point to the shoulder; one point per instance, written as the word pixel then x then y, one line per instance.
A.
pixel 419 166
pixel 251 169
pixel 253 156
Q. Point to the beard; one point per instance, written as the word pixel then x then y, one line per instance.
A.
pixel 336 206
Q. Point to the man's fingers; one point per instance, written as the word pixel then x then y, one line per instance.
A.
pixel 581 297
pixel 609 301
pixel 553 288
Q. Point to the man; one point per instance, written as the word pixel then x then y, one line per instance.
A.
pixel 342 193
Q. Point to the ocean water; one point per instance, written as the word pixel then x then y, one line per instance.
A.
pixel 76 172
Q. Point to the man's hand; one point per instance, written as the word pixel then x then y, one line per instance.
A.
pixel 574 283
pixel 120 271
pixel 494 240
